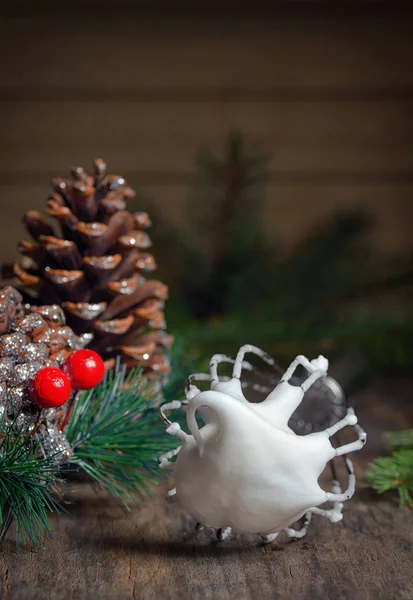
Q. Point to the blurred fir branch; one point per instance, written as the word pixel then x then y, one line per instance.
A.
pixel 25 481
pixel 226 234
pixel 185 360
pixel 219 260
pixel 230 284
pixel 394 472
pixel 117 435
pixel 399 439
pixel 380 333
pixel 332 261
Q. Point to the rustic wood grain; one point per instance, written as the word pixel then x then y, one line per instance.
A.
pixel 304 137
pixel 207 8
pixel 154 553
pixel 390 204
pixel 202 54
pixel 329 99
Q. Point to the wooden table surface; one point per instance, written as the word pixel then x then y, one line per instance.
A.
pixel 154 553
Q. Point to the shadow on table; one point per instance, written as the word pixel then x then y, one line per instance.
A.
pixel 179 548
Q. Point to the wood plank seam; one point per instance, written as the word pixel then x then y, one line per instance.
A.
pixel 160 95
pixel 299 177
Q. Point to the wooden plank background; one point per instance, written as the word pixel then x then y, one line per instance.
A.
pixel 329 99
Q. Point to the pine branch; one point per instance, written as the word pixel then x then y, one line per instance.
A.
pixel 400 439
pixel 25 482
pixel 393 472
pixel 117 435
pixel 184 361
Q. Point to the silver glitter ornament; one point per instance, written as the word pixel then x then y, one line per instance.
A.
pixel 31 322
pixel 6 367
pixel 53 443
pixel 53 314
pixel 35 352
pixel 23 374
pixel 3 392
pixel 12 344
pixel 15 401
pixel 32 338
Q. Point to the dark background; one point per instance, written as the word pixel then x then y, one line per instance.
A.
pixel 323 90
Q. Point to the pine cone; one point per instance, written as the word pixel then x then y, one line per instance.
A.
pixel 95 269
pixel 31 338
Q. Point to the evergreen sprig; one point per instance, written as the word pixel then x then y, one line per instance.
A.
pixel 25 481
pixel 117 435
pixel 400 439
pixel 395 472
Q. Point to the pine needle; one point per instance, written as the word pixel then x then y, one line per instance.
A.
pixel 117 435
pixel 395 472
pixel 399 439
pixel 25 482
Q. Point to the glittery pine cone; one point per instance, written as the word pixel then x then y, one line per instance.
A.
pixel 31 338
pixel 95 268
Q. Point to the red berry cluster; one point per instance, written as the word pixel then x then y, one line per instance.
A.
pixel 50 387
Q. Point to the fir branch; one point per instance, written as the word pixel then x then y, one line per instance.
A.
pixel 25 482
pixel 184 361
pixel 117 435
pixel 400 439
pixel 393 472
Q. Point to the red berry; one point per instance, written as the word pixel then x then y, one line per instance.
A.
pixel 85 368
pixel 50 388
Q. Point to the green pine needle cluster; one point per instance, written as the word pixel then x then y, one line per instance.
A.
pixel 25 481
pixel 117 435
pixel 395 472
